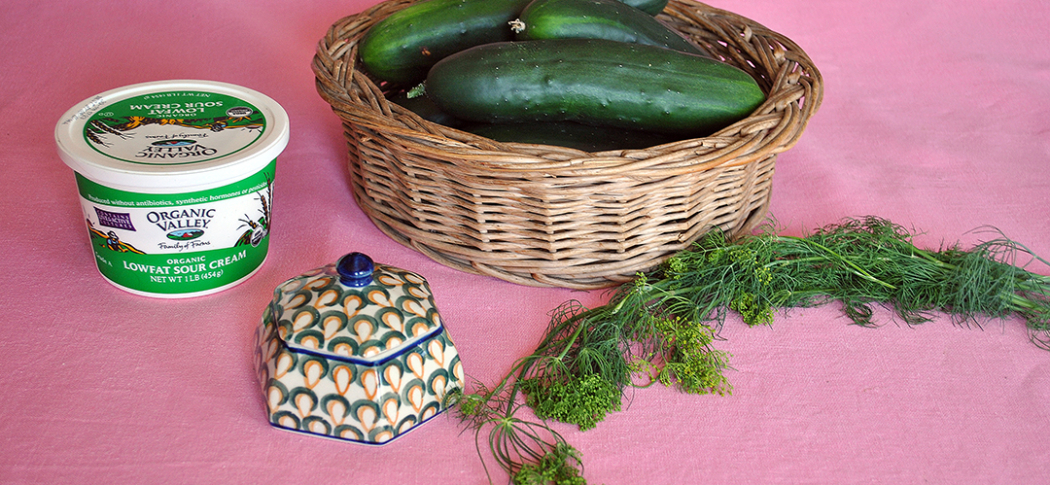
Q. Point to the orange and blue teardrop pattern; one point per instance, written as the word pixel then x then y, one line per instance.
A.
pixel 314 310
pixel 328 396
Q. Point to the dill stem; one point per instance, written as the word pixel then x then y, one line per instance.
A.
pixel 1021 302
pixel 787 261
pixel 513 394
pixel 1041 281
pixel 519 368
pixel 522 368
pixel 553 333
pixel 572 340
pixel 927 256
pixel 853 266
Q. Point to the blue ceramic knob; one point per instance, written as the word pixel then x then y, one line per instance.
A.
pixel 355 270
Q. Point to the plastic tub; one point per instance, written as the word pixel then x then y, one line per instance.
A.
pixel 176 182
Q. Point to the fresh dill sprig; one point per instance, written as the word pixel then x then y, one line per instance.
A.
pixel 523 449
pixel 661 326
pixel 860 263
pixel 871 261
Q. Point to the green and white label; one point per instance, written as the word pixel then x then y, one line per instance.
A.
pixel 175 244
pixel 174 128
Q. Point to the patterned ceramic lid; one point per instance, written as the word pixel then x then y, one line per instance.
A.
pixel 355 310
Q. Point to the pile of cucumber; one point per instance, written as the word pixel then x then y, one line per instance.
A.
pixel 587 74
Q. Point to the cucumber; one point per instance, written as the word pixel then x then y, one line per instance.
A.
pixel 401 48
pixel 425 108
pixel 597 19
pixel 651 7
pixel 593 81
pixel 588 138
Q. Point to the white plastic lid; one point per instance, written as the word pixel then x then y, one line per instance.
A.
pixel 172 136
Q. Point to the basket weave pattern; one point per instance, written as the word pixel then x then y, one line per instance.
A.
pixel 549 216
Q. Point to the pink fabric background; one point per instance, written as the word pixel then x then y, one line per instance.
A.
pixel 936 116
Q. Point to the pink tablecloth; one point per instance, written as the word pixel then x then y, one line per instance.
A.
pixel 936 116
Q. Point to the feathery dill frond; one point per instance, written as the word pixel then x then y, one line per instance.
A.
pixel 663 324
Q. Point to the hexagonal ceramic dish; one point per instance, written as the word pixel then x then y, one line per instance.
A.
pixel 356 351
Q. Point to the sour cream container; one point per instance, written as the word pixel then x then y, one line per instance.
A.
pixel 176 182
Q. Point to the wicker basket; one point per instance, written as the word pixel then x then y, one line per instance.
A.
pixel 549 216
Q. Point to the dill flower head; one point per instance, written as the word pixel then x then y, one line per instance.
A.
pixel 559 466
pixel 580 400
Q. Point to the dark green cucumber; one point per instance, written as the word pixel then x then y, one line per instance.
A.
pixel 593 81
pixel 651 7
pixel 425 108
pixel 402 47
pixel 569 134
pixel 597 19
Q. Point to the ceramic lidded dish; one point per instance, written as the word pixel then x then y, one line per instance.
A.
pixel 355 350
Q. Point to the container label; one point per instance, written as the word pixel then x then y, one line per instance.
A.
pixel 179 243
pixel 174 128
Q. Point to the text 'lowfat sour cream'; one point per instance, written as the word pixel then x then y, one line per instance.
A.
pixel 176 182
